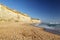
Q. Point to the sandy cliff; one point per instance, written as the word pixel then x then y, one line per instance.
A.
pixel 7 14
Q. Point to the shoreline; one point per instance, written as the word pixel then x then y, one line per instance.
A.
pixel 22 31
pixel 50 30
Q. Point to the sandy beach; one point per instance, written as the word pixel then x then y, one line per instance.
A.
pixel 21 31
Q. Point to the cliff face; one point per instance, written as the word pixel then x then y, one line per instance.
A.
pixel 7 14
pixel 36 21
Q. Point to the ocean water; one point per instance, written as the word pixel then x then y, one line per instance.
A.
pixel 50 28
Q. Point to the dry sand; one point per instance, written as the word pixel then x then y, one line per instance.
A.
pixel 20 31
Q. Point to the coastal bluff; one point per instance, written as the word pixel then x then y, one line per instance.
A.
pixel 7 14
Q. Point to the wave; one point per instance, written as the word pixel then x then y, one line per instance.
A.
pixel 49 26
pixel 52 29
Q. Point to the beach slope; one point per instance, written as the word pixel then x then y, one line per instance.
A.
pixel 21 31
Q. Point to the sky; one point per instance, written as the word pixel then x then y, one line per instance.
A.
pixel 45 10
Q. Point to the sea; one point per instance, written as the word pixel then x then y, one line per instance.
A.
pixel 53 28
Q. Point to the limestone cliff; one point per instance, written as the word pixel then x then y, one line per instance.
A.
pixel 7 14
pixel 34 20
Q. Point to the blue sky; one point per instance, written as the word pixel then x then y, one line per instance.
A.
pixel 46 10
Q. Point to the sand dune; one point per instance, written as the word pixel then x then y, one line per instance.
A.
pixel 20 31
